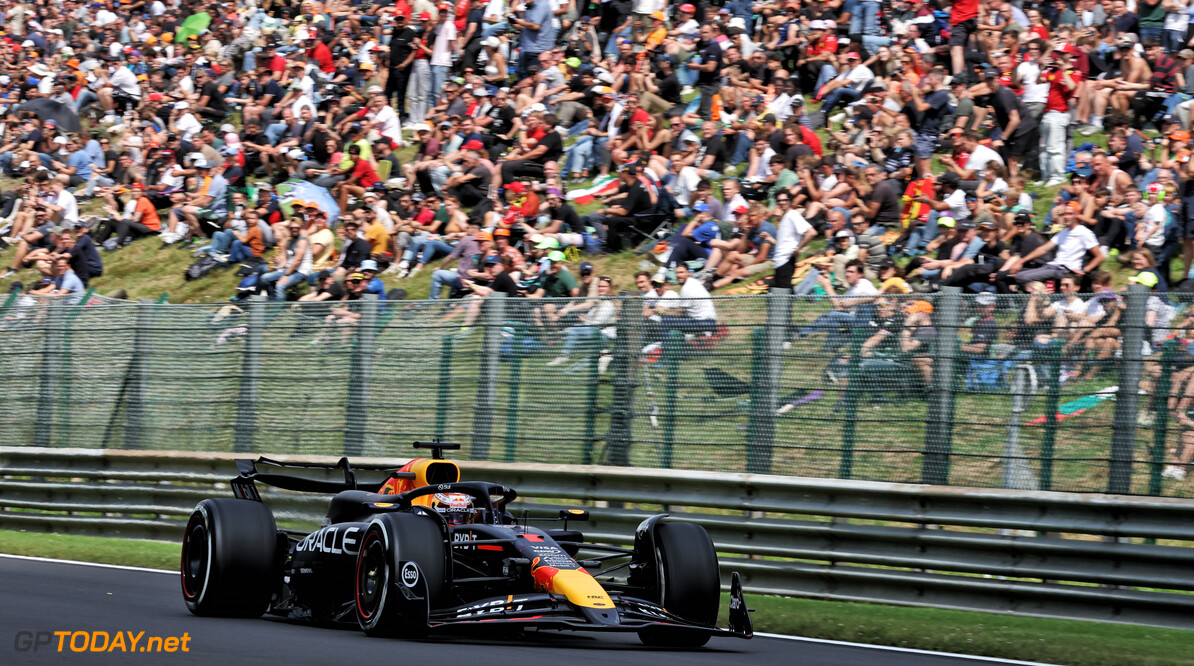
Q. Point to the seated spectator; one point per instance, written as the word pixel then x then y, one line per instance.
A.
pixel 598 320
pixel 692 312
pixel 291 266
pixel 853 308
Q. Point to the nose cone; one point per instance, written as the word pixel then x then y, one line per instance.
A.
pixel 601 616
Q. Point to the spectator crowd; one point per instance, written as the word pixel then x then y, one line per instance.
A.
pixel 324 148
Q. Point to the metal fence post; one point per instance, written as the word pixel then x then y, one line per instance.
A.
pixel 939 429
pixel 443 401
pixel 627 348
pixel 1052 399
pixel 591 400
pixel 66 376
pixel 493 316
pixel 250 375
pixel 671 359
pixel 515 384
pixel 138 379
pixel 850 400
pixel 356 417
pixel 766 373
pixel 1123 435
pixel 1161 424
pixel 51 371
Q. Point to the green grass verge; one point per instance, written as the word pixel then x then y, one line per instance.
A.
pixel 1035 639
pixel 128 552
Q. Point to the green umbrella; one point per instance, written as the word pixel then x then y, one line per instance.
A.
pixel 195 24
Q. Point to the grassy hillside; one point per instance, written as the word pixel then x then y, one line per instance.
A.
pixel 146 270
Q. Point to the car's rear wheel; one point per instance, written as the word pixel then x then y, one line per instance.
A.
pixel 229 558
pixel 393 539
pixel 688 583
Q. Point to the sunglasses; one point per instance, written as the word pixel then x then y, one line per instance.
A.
pixel 355 281
pixel 606 280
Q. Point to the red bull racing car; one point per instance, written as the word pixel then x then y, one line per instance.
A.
pixel 424 551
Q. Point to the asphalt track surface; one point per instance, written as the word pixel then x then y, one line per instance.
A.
pixel 55 596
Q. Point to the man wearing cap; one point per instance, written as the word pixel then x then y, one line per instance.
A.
pixel 1063 82
pixel 402 38
pixel 1072 244
pixel 468 254
pixel 1118 86
pixel 1016 130
pixel 113 83
pixel 846 87
pixel 209 204
pixel 992 254
pixel 471 184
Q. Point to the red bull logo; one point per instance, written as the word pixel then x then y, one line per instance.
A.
pixel 544 576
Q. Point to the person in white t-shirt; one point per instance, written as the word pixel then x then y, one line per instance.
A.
pixel 851 309
pixel 1150 231
pixel 384 119
pixel 656 295
pixel 976 164
pixel 848 86
pixel 183 122
pixel 793 234
pixel 444 34
pixel 1072 244
pixel 693 311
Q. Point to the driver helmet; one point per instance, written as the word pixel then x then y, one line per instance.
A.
pixel 456 508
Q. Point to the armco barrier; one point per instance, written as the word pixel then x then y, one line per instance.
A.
pixel 1046 554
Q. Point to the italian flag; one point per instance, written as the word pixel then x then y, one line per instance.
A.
pixel 600 186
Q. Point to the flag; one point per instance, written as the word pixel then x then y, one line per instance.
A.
pixel 915 210
pixel 602 185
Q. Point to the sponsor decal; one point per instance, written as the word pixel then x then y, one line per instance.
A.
pixel 333 540
pixel 410 574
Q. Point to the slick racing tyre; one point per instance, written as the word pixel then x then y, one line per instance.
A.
pixel 382 607
pixel 689 583
pixel 230 564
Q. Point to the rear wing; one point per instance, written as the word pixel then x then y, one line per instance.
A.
pixel 244 486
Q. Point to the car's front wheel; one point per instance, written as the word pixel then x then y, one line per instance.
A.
pixel 688 583
pixel 402 556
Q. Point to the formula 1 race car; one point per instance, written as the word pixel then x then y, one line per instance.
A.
pixel 423 550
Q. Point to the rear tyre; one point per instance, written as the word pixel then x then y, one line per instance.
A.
pixel 689 583
pixel 229 559
pixel 380 604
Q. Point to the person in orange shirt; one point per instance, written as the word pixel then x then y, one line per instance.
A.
pixel 658 31
pixel 139 218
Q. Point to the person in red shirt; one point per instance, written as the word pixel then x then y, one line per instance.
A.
pixel 963 22
pixel 361 178
pixel 1063 81
pixel 320 53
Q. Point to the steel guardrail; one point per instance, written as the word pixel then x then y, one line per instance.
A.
pixel 1037 553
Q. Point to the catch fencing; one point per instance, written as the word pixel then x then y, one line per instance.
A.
pixel 1076 393
pixel 1070 555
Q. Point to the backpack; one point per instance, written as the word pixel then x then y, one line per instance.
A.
pixel 202 266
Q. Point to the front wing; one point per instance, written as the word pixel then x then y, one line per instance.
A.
pixel 553 611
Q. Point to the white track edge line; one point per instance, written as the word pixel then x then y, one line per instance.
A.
pixel 87 564
pixel 892 648
pixel 764 635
